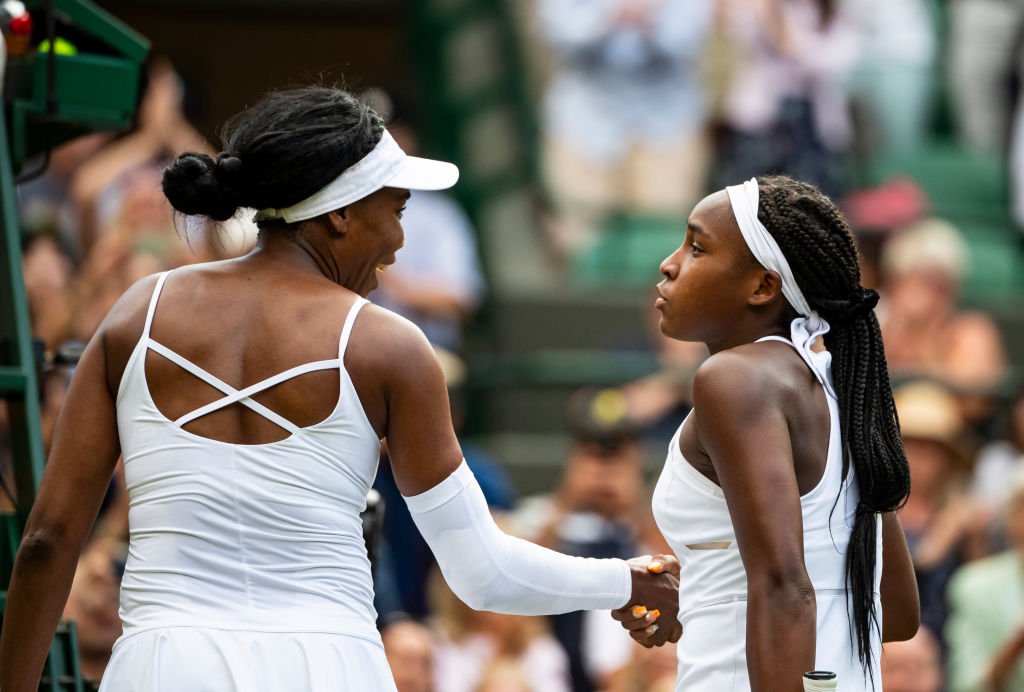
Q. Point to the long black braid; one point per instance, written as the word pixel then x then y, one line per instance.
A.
pixel 820 248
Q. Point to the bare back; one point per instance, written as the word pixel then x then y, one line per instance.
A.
pixel 244 323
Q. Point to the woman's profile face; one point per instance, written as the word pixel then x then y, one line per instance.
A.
pixel 705 285
pixel 373 236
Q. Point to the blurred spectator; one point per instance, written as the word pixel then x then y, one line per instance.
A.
pixel 481 650
pixel 141 240
pixel 93 605
pixel 649 670
pixel 504 675
pixel 786 109
pixel 892 204
pixel 875 213
pixel 913 665
pixel 410 650
pixel 80 194
pixel 162 133
pixel 925 332
pixel 47 271
pixel 938 518
pixel 984 51
pixel 600 509
pixel 45 203
pixel 124 228
pixel 624 111
pixel 985 633
pixel 437 282
pixel 892 81
pixel 999 460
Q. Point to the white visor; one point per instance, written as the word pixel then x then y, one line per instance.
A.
pixel 385 166
pixel 424 174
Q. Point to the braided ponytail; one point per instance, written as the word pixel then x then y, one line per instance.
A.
pixel 820 248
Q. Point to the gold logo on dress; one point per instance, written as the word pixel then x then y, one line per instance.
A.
pixel 713 545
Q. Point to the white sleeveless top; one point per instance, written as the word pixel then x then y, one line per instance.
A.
pixel 693 516
pixel 262 537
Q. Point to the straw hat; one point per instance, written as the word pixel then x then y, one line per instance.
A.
pixel 928 411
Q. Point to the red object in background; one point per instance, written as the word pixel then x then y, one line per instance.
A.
pixel 895 203
pixel 19 37
pixel 22 24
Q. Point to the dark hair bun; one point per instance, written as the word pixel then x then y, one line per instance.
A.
pixel 276 153
pixel 194 185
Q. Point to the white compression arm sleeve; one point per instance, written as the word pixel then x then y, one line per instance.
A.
pixel 490 570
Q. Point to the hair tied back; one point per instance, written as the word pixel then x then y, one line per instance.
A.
pixel 862 305
pixel 228 168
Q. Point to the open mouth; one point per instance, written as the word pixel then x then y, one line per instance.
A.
pixel 382 268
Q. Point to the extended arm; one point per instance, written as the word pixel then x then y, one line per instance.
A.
pixel 742 427
pixel 490 570
pixel 485 567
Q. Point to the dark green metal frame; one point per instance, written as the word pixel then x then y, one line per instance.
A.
pixel 90 91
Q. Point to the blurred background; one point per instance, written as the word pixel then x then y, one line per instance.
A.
pixel 586 130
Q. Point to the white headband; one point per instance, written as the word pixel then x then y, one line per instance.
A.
pixel 805 330
pixel 744 201
pixel 385 166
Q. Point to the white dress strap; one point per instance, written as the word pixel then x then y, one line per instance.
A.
pixel 152 303
pixel 804 334
pixel 346 330
pixel 773 337
pixel 218 384
pixel 240 396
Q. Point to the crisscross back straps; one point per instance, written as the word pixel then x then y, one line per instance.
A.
pixel 219 385
pixel 243 396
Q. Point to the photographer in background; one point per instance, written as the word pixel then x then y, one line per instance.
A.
pixel 600 509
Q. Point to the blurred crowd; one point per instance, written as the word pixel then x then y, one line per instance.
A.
pixel 646 106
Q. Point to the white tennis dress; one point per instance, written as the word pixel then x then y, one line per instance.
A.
pixel 692 514
pixel 247 568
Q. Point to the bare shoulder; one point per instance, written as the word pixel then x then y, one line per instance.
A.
pixel 130 309
pixel 391 346
pixel 742 378
pixel 121 329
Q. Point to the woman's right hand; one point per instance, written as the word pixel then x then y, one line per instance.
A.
pixel 650 616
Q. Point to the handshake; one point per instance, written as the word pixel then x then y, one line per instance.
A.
pixel 650 615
